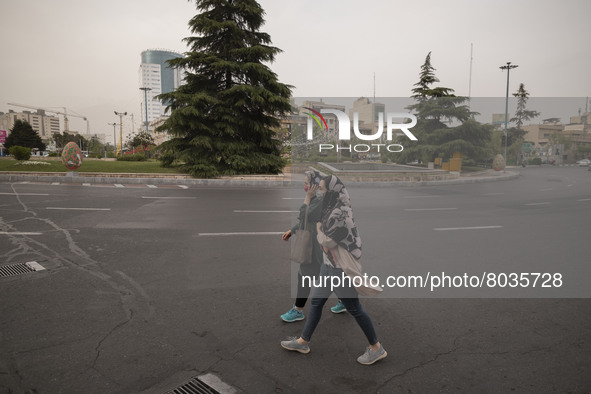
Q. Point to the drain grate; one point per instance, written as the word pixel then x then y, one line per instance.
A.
pixel 193 386
pixel 18 269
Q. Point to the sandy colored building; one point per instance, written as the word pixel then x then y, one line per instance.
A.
pixel 43 124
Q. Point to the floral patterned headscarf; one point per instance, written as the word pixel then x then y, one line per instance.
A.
pixel 314 177
pixel 337 216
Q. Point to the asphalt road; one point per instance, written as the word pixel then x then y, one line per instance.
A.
pixel 145 287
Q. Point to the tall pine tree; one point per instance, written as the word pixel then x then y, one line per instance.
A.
pixel 224 118
pixel 522 114
pixel 436 108
pixel 22 134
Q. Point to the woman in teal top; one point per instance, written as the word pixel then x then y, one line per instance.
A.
pixel 314 205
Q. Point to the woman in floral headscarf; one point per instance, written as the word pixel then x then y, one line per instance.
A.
pixel 341 244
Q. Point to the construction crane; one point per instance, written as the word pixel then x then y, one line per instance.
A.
pixel 65 114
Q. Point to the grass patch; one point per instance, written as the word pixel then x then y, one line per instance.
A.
pixel 141 167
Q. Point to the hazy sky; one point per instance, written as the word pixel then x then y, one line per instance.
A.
pixel 85 55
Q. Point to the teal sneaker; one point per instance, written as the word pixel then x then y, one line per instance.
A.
pixel 292 315
pixel 338 308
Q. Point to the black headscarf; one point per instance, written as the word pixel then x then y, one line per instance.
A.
pixel 337 216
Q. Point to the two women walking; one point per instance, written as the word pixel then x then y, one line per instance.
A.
pixel 337 235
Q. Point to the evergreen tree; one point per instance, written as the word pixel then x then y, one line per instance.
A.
pixel 224 118
pixel 61 140
pixel 22 134
pixel 522 114
pixel 436 108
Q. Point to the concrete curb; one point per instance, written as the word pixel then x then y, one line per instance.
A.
pixel 240 181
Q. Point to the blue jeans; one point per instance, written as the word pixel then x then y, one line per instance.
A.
pixel 348 295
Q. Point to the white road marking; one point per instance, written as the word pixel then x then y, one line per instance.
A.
pixel 17 233
pixel 239 211
pixel 420 196
pixel 86 184
pixel 492 194
pixel 292 198
pixel 152 186
pixel 55 183
pixel 79 209
pixel 531 204
pixel 118 185
pixel 245 233
pixel 24 194
pixel 466 228
pixel 430 209
pixel 35 266
pixel 585 199
pixel 170 198
pixel 183 186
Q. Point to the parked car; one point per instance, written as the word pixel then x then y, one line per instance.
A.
pixel 584 163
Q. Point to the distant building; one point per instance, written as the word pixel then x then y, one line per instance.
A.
pixel 43 124
pixel 561 141
pixel 368 113
pixel 499 119
pixel 541 134
pixel 154 73
pixel 158 136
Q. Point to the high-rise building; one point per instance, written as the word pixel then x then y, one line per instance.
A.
pixel 159 77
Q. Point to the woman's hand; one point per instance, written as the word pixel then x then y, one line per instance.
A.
pixel 319 227
pixel 311 193
pixel 286 235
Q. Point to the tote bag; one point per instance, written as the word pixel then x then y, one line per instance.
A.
pixel 301 250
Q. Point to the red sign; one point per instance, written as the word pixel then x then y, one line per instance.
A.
pixel 3 134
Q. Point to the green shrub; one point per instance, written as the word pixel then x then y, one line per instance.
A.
pixel 54 154
pixel 20 152
pixel 132 157
pixel 535 161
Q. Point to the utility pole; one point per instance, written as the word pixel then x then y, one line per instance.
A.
pixel 508 67
pixel 146 104
pixel 114 136
pixel 121 115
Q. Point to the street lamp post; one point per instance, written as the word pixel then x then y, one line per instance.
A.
pixel 146 103
pixel 114 137
pixel 508 67
pixel 121 115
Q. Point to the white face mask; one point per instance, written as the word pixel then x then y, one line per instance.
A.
pixel 319 194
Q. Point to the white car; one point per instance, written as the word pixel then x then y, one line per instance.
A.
pixel 584 163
